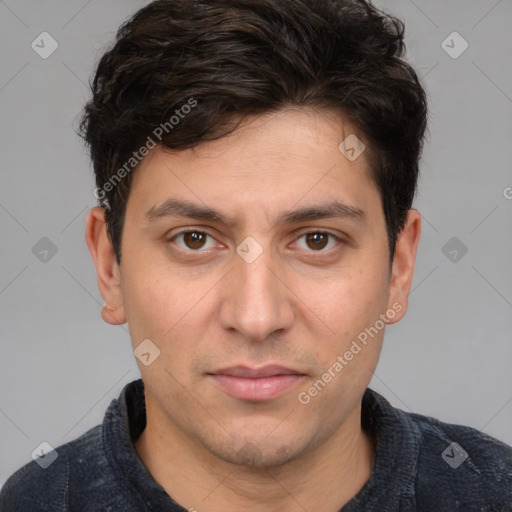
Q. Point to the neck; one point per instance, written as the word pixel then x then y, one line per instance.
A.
pixel 325 478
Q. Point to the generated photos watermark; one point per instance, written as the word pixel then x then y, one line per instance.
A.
pixel 356 346
pixel 152 141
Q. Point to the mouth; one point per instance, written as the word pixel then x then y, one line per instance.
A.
pixel 256 384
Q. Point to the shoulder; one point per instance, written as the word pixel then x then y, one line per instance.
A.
pixel 43 485
pixel 461 468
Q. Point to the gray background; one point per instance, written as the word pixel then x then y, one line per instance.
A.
pixel 61 366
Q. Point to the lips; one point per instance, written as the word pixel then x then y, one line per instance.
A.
pixel 257 373
pixel 256 384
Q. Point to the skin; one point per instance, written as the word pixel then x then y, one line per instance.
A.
pixel 300 304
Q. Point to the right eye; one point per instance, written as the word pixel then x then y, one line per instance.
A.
pixel 192 240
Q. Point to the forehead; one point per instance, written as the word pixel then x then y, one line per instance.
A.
pixel 273 161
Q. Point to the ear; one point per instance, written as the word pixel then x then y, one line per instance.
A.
pixel 107 269
pixel 403 265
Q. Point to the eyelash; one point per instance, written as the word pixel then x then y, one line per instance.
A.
pixel 337 239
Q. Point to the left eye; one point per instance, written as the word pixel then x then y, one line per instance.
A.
pixel 318 241
pixel 193 240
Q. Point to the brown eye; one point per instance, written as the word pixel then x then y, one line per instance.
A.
pixel 194 239
pixel 317 241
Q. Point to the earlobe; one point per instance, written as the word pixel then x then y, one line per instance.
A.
pixel 107 270
pixel 111 315
pixel 404 260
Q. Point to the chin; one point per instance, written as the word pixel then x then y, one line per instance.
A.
pixel 256 453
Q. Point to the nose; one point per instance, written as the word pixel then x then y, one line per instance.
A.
pixel 257 301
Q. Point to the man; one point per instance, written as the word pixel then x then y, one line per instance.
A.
pixel 256 163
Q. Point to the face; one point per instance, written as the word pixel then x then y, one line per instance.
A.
pixel 258 265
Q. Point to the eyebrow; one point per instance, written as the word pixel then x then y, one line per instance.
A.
pixel 332 209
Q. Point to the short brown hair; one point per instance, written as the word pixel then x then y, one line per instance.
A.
pixel 237 58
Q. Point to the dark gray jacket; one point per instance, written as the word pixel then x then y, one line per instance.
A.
pixel 421 464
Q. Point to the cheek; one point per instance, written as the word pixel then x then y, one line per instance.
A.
pixel 350 302
pixel 152 304
pixel 348 358
pixel 350 306
pixel 169 310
